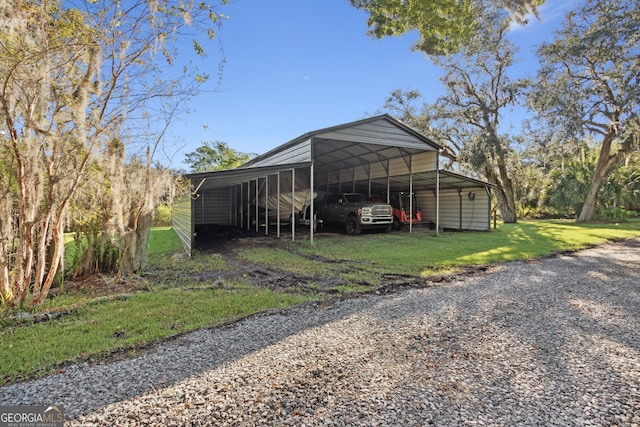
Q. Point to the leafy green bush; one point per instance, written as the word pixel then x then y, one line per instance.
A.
pixel 613 214
pixel 163 216
pixel 569 186
pixel 570 183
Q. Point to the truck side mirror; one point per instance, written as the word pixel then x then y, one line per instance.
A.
pixel 340 201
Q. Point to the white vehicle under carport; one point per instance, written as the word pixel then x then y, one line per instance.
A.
pixel 355 211
pixel 276 208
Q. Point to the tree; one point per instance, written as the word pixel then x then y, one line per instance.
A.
pixel 73 81
pixel 216 156
pixel 530 181
pixel 110 215
pixel 467 118
pixel 44 102
pixel 445 26
pixel 570 182
pixel 479 90
pixel 588 85
pixel 427 119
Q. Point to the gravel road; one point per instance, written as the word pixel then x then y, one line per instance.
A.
pixel 553 342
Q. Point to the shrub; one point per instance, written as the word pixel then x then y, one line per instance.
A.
pixel 163 216
pixel 612 214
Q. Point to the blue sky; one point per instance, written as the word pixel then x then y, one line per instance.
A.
pixel 294 66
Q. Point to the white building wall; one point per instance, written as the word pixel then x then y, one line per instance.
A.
pixel 424 162
pixel 475 213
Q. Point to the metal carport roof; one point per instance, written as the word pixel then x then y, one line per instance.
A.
pixel 362 145
pixel 363 142
pixel 366 141
pixel 429 181
pixel 421 180
pixel 225 178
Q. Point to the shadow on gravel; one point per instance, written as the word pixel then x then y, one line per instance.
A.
pixel 559 336
pixel 87 387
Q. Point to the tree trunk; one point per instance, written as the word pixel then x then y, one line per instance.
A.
pixel 26 214
pixel 55 256
pixel 605 162
pixel 6 293
pixel 588 211
pixel 23 277
pixel 506 208
pixel 142 236
pixel 508 211
pixel 504 195
pixel 134 255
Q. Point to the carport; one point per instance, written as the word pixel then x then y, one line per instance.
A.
pixel 377 155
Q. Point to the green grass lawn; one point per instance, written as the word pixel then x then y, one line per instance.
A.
pixel 423 253
pixel 99 329
pixel 172 303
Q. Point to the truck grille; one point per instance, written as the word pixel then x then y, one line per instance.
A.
pixel 384 210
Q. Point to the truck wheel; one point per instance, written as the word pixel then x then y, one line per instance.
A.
pixel 352 226
pixel 396 224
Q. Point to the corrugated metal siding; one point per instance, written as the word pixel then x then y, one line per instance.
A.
pixel 399 166
pixel 213 207
pixel 343 176
pixel 426 201
pixel 423 162
pixel 378 170
pixel 361 173
pixel 298 153
pixel 380 132
pixel 475 213
pixel 331 177
pixel 182 222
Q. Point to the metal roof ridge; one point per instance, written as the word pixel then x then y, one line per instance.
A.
pixel 465 177
pixel 311 134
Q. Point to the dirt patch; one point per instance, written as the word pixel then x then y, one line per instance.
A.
pixel 227 242
pixel 97 286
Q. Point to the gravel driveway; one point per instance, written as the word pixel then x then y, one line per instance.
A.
pixel 548 342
